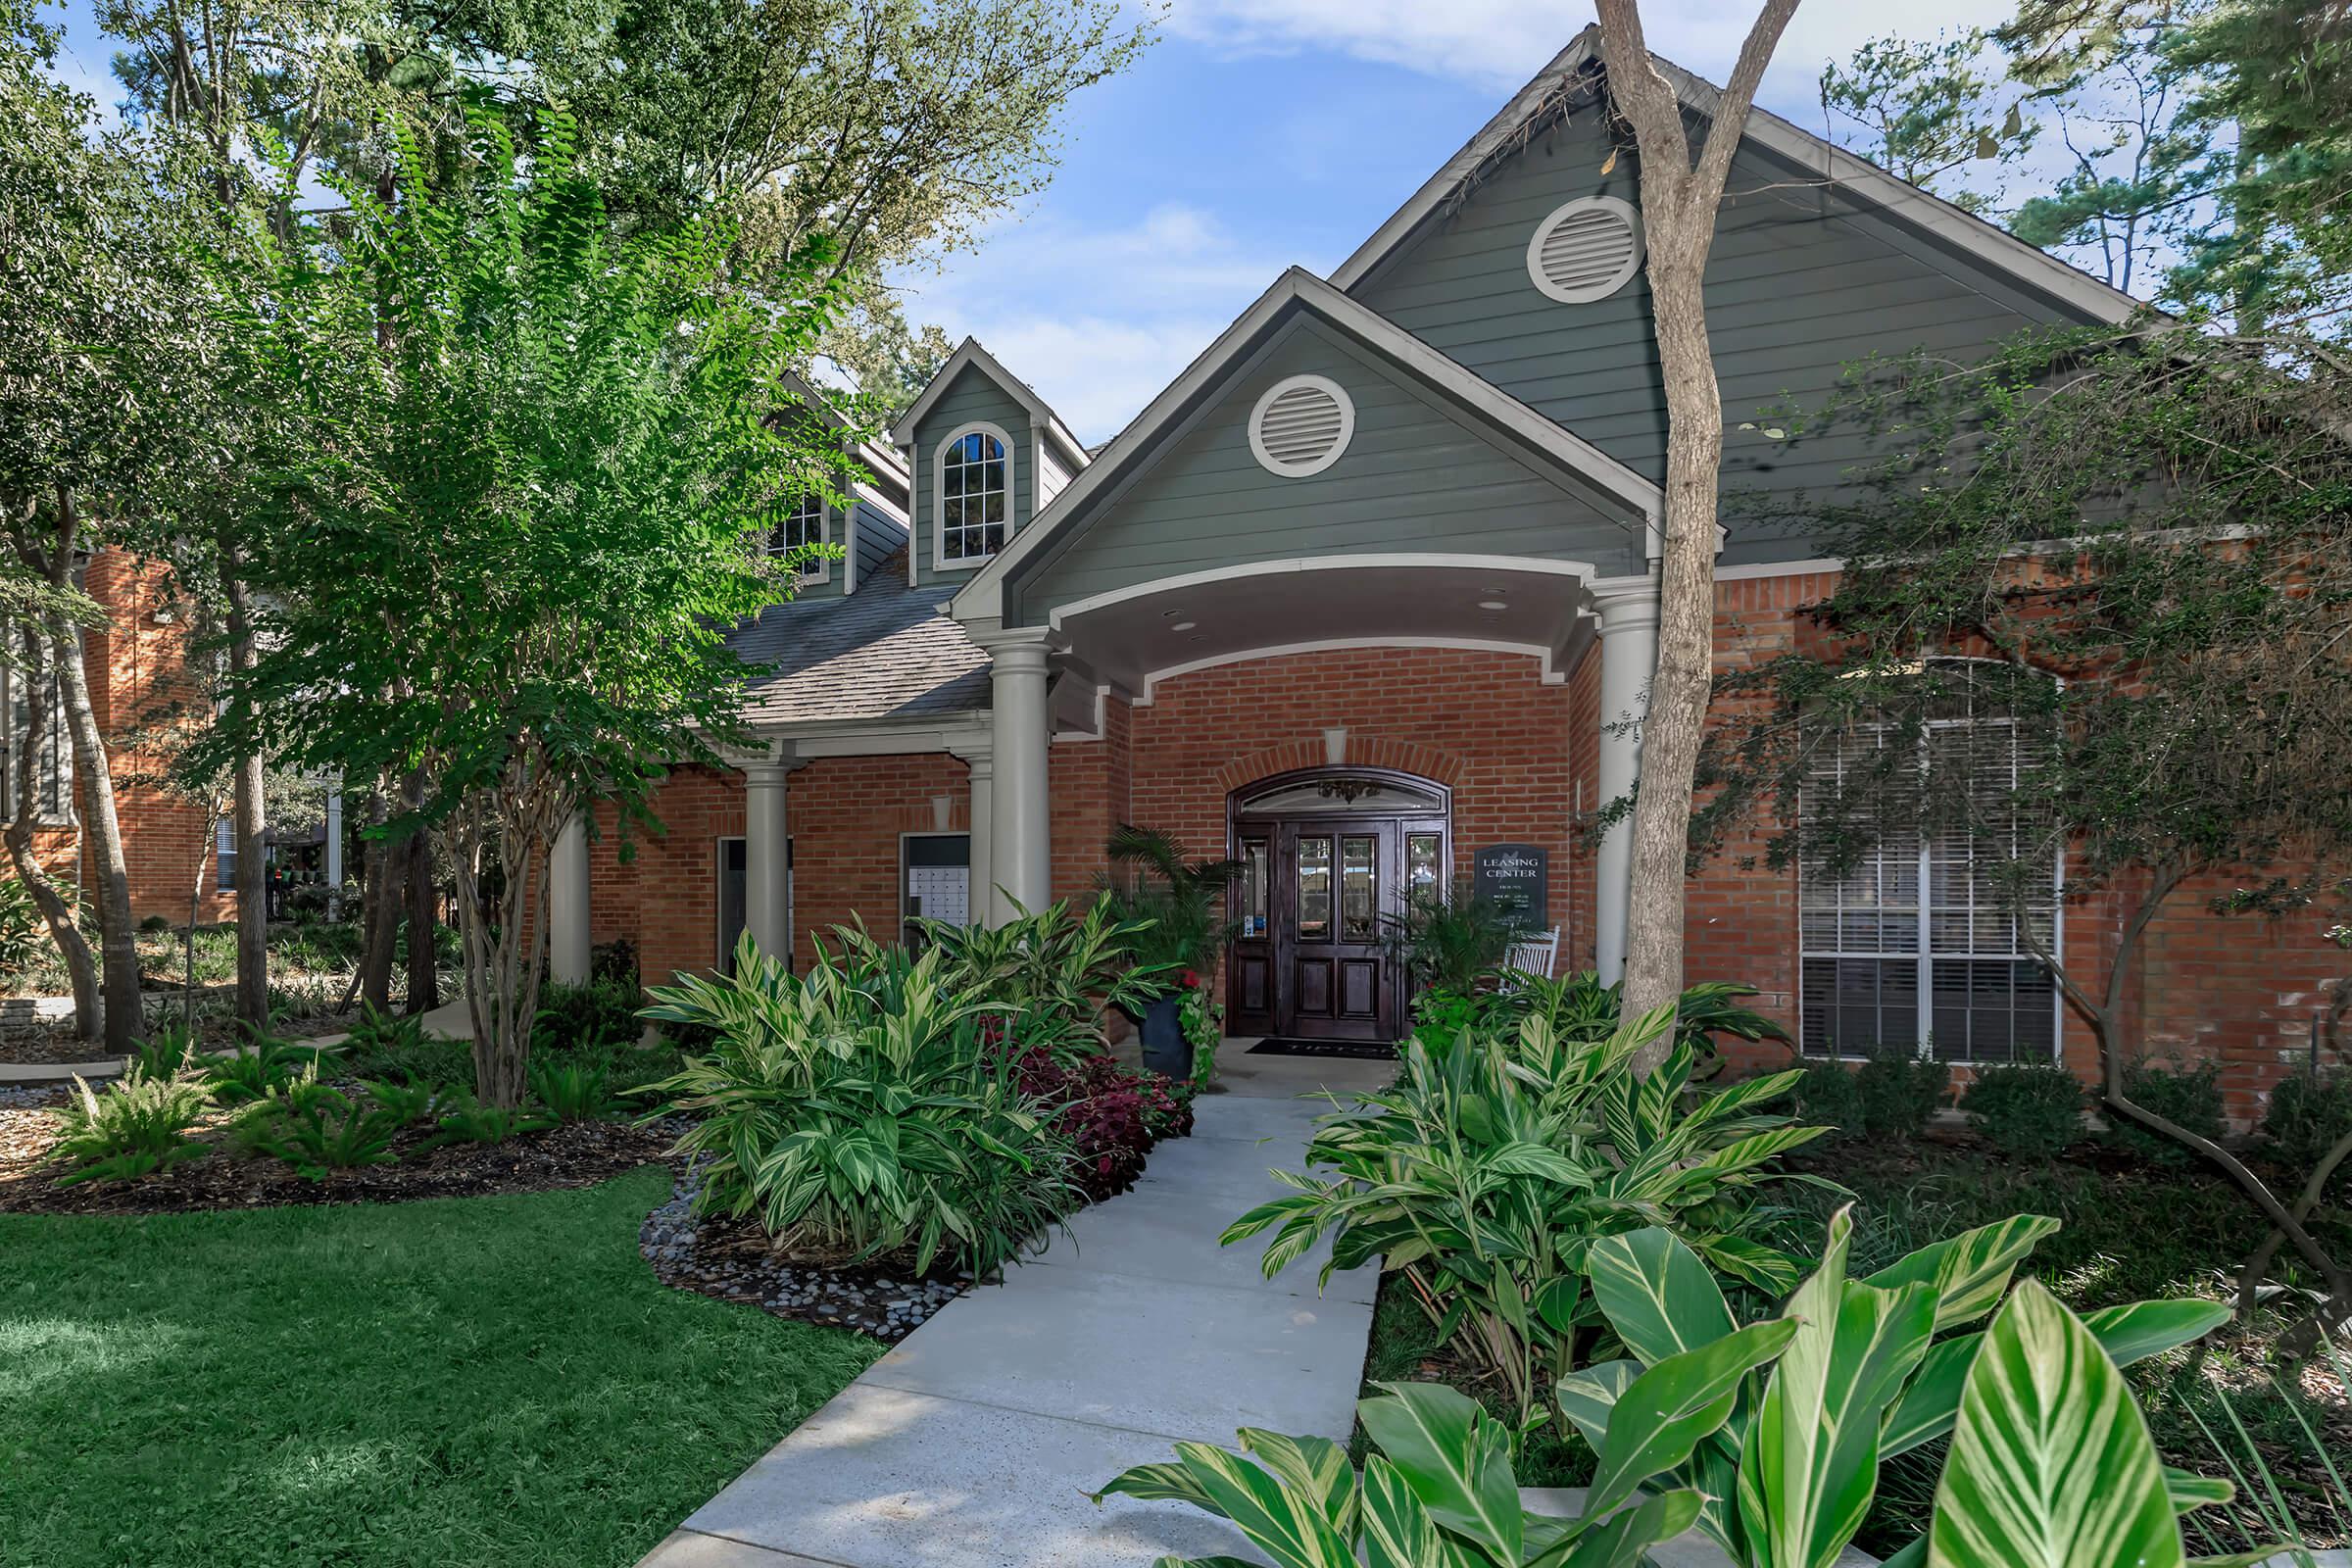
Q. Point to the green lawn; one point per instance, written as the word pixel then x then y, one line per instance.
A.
pixel 468 1381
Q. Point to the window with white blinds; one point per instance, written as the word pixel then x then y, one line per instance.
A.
pixel 1918 943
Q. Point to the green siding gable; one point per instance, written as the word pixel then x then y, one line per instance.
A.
pixel 973 396
pixel 1415 478
pixel 1802 281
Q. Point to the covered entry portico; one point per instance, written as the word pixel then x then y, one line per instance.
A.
pixel 1344 826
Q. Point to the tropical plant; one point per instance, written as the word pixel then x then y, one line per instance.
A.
pixel 139 1126
pixel 1487 1172
pixel 22 934
pixel 1048 978
pixel 169 1046
pixel 469 1121
pixel 2050 1463
pixel 1579 1006
pixel 1174 903
pixel 855 1111
pixel 2033 1111
pixel 407 1102
pixel 573 1091
pixel 1438 1492
pixel 587 1017
pixel 321 1131
pixel 1454 942
pixel 265 1064
pixel 1112 1114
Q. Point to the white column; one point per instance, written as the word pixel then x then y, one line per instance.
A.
pixel 1629 660
pixel 567 958
pixel 334 851
pixel 984 826
pixel 1021 859
pixel 767 869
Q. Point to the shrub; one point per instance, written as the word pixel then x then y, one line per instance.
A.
pixel 2033 1111
pixel 397 1048
pixel 597 1016
pixel 1900 1091
pixel 156 924
pixel 2189 1096
pixel 139 1126
pixel 320 1130
pixel 1173 904
pixel 23 934
pixel 855 1113
pixel 1579 1007
pixel 1441 1013
pixel 1111 1115
pixel 1826 1095
pixel 1487 1170
pixel 616 959
pixel 2307 1118
pixel 1453 940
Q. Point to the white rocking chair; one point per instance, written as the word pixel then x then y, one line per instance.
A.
pixel 1532 956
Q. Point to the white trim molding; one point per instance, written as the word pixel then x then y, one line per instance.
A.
pixel 1554 667
pixel 940 558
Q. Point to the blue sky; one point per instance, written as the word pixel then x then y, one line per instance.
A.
pixel 1255 135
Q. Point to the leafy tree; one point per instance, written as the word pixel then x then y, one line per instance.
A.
pixel 510 570
pixel 2175 656
pixel 97 300
pixel 1929 111
pixel 887 362
pixel 1680 193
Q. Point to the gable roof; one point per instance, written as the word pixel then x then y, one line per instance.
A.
pixel 970 355
pixel 1586 466
pixel 1984 242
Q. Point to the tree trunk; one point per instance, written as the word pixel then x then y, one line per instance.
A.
pixel 380 908
pixel 425 978
pixel 1672 729
pixel 101 828
pixel 1680 196
pixel 81 965
pixel 248 812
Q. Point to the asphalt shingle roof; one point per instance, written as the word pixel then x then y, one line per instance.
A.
pixel 887 651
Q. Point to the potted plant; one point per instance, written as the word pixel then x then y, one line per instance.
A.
pixel 1181 902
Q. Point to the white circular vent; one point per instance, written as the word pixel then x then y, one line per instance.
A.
pixel 1300 426
pixel 1586 250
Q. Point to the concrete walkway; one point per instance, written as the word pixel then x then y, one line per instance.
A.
pixel 975 1442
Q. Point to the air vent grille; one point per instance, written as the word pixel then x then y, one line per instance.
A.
pixel 1586 251
pixel 1302 426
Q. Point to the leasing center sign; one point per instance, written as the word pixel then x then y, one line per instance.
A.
pixel 1516 879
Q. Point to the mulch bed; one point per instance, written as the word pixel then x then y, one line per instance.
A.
pixel 579 1154
pixel 734 1261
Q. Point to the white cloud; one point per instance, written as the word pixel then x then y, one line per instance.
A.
pixel 1494 45
pixel 1098 319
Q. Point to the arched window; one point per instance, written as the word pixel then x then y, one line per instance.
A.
pixel 1921 943
pixel 975 495
pixel 802 526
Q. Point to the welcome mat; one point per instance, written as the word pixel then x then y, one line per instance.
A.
pixel 1361 1049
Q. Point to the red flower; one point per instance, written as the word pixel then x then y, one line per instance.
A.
pixel 1191 979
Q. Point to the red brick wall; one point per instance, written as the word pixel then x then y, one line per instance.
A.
pixel 1485 723
pixel 141 690
pixel 2238 989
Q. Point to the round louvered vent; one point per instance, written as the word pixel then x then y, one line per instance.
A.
pixel 1586 250
pixel 1300 426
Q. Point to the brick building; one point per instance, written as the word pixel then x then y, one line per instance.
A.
pixel 1365 598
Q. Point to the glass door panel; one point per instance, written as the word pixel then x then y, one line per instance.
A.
pixel 1315 889
pixel 1359 888
pixel 1255 885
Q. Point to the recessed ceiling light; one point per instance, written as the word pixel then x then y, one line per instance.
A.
pixel 1493 603
pixel 1184 626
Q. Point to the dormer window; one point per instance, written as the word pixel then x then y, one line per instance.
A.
pixel 803 526
pixel 975 495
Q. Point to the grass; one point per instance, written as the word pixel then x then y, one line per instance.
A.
pixel 477 1380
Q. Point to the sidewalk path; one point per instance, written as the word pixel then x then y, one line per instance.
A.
pixel 975 1441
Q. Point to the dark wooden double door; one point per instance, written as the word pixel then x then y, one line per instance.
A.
pixel 1317 901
